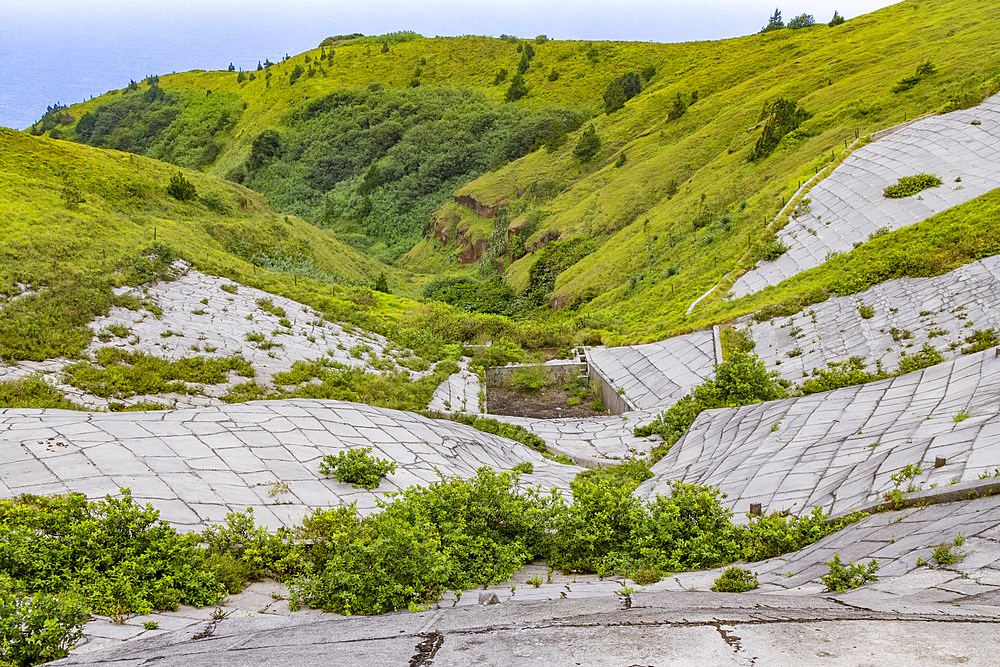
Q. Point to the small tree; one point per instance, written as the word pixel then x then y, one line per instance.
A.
pixel 181 188
pixel 836 20
pixel 241 77
pixel 588 145
pixel 232 68
pixel 524 63
pixel 802 21
pixel 678 109
pixel 775 22
pixel 517 88
pixel 381 284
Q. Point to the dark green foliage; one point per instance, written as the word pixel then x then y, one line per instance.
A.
pixel 843 577
pixel 381 284
pixel 735 580
pixel 783 116
pixel 239 550
pixel 214 201
pixel 802 21
pixel 379 162
pixel 517 88
pixel 678 108
pixel 552 260
pixel 553 74
pixel 740 380
pixel 54 115
pixel 908 186
pixel 620 162
pixel 472 296
pixel 181 188
pixel 37 628
pixel 619 91
pixel 523 64
pixel 774 23
pixel 981 339
pixel 117 556
pixel 924 70
pixel 357 466
pixel 500 77
pixel 836 20
pixel 122 374
pixel 179 127
pixel 588 144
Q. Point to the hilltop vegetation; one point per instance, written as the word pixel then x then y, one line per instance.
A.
pixel 667 159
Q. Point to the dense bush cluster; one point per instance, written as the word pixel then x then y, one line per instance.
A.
pixel 782 116
pixel 907 186
pixel 473 296
pixel 379 162
pixel 184 128
pixel 357 466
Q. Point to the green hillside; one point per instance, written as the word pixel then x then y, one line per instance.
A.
pixel 77 221
pixel 400 140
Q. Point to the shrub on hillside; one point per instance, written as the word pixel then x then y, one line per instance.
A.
pixel 37 628
pixel 181 188
pixel 735 580
pixel 741 380
pixel 782 116
pixel 908 186
pixel 357 466
pixel 588 144
pixel 836 20
pixel 621 90
pixel 802 21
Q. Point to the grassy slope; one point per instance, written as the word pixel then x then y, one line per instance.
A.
pixel 42 241
pixel 457 62
pixel 843 75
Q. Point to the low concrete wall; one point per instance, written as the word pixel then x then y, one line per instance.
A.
pixel 555 371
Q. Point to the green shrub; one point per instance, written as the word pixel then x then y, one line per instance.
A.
pixel 924 70
pixel 843 577
pixel 123 374
pixel 37 628
pixel 907 186
pixel 358 467
pixel 836 20
pixel 504 430
pixel 181 188
pixel 735 580
pixel 802 21
pixel 455 534
pixel 866 312
pixel 770 535
pixel 241 551
pixel 772 250
pixel 33 392
pixel 927 356
pixel 979 340
pixel 782 116
pixel 621 90
pixel 740 380
pixel 215 202
pixel 837 374
pixel 529 379
pixel 588 144
pixel 119 557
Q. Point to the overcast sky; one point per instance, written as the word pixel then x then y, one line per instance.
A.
pixel 69 50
